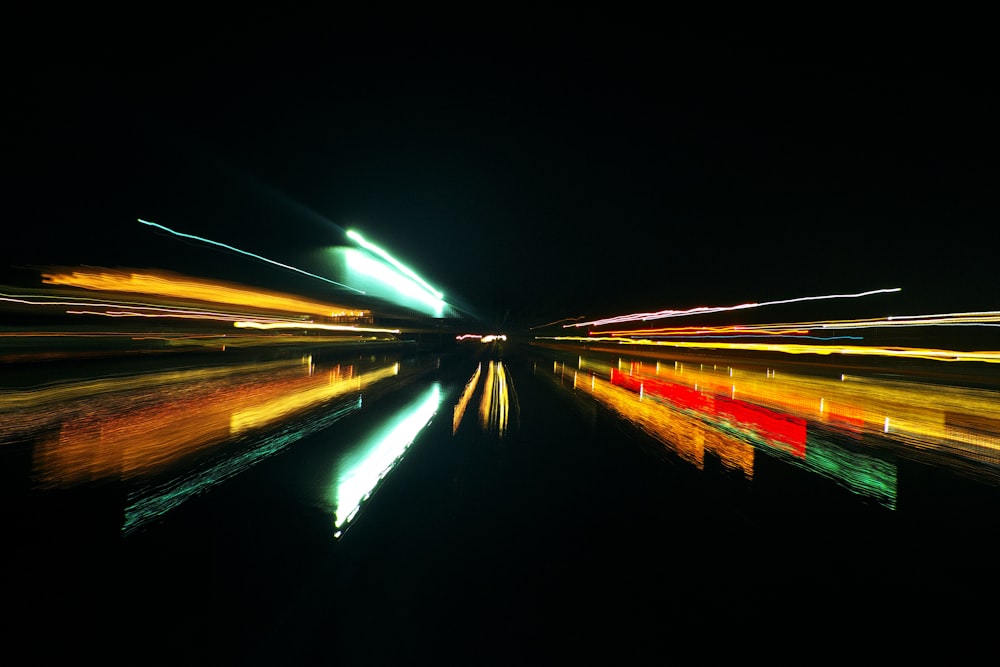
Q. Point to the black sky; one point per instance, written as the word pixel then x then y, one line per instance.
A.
pixel 535 164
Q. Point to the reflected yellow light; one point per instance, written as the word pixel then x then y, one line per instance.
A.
pixel 494 407
pixel 463 400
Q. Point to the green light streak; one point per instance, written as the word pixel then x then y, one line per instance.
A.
pixel 149 504
pixel 367 245
pixel 360 263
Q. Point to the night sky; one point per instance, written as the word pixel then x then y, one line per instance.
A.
pixel 534 165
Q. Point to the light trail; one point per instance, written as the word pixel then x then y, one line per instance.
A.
pixel 248 254
pixel 253 324
pixel 463 401
pixel 169 284
pixel 986 356
pixel 559 321
pixel 361 264
pixel 367 245
pixel 703 310
pixel 975 318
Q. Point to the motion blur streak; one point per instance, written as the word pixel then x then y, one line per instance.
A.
pixel 689 432
pixel 927 416
pixel 781 430
pixel 53 402
pixel 704 310
pixel 403 290
pixel 291 399
pixel 248 254
pixel 463 400
pixel 150 429
pixel 992 357
pixel 168 284
pixel 310 325
pixel 494 408
pixel 394 262
pixel 980 318
pixel 361 471
pixel 152 502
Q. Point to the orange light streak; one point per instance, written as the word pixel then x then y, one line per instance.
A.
pixel 173 285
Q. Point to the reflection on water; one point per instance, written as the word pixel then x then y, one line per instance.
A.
pixel 497 403
pixel 494 407
pixel 849 430
pixel 174 434
pixel 463 400
pixel 361 468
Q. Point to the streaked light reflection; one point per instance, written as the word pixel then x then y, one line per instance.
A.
pixel 361 470
pixel 689 427
pixel 495 405
pixel 463 400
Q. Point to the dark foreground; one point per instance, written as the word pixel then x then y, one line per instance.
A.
pixel 571 538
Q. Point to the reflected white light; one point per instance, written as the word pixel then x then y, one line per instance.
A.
pixel 363 469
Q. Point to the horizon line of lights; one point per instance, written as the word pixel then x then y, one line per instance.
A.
pixel 986 356
pixel 248 254
pixel 134 310
pixel 560 320
pixel 238 320
pixel 703 310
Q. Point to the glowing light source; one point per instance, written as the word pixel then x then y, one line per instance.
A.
pixel 404 290
pixel 367 245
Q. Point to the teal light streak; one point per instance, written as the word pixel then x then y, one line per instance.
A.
pixel 367 245
pixel 248 254
pixel 150 504
pixel 360 263
pixel 362 470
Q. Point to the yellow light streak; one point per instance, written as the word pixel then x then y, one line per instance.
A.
pixel 310 325
pixel 174 285
pixel 463 401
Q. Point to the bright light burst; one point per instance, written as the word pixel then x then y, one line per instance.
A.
pixel 371 247
pixel 370 270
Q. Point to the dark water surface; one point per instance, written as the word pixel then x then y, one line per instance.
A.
pixel 203 518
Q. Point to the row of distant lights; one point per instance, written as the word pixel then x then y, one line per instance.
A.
pixel 489 338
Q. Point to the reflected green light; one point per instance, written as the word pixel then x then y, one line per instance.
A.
pixel 362 469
